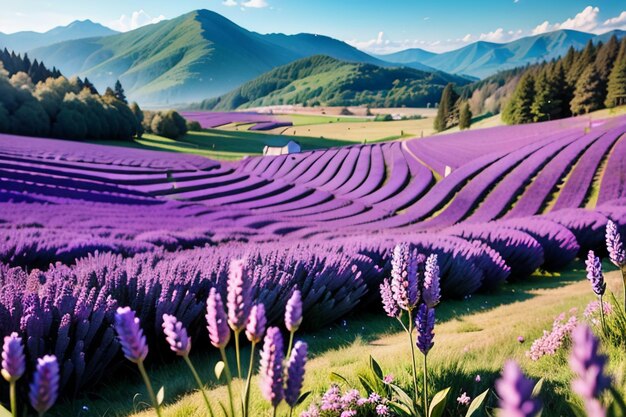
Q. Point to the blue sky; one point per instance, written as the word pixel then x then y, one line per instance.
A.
pixel 376 26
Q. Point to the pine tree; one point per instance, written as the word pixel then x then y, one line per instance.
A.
pixel 587 96
pixel 606 56
pixel 89 85
pixel 519 109
pixel 584 58
pixel 465 117
pixel 616 92
pixel 119 92
pixel 445 111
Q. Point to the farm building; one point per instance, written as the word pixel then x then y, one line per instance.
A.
pixel 289 148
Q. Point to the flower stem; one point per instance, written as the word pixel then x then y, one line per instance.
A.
pixel 624 281
pixel 229 379
pixel 425 385
pixel 274 414
pixel 290 345
pixel 13 395
pixel 246 395
pixel 200 384
pixel 146 380
pixel 410 332
pixel 602 315
pixel 237 353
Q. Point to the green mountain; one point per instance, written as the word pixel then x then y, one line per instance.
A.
pixel 25 41
pixel 322 80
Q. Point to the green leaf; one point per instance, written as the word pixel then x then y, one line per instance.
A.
pixel 618 405
pixel 477 404
pixel 4 412
pixel 400 409
pixel 160 396
pixel 404 399
pixel 538 388
pixel 577 410
pixel 223 408
pixel 438 403
pixel 376 369
pixel 303 397
pixel 366 385
pixel 219 369
pixel 334 376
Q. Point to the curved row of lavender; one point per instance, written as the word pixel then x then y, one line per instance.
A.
pixel 210 120
pixel 330 219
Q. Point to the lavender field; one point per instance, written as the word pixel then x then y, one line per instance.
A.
pixel 87 229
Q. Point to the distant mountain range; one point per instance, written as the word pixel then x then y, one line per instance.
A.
pixel 326 81
pixel 482 59
pixel 201 55
pixel 25 41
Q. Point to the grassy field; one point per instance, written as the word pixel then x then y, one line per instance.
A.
pixel 473 337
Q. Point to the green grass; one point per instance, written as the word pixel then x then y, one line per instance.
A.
pixel 313 119
pixel 473 337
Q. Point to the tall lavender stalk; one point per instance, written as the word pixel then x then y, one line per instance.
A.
pixel 271 373
pixel 425 324
pixel 588 364
pixel 293 316
pixel 134 346
pixel 616 252
pixel 295 374
pixel 45 386
pixel 13 366
pixel 238 303
pixel 595 276
pixel 180 343
pixel 219 334
pixel 515 392
pixel 255 330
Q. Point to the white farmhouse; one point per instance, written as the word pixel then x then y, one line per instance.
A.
pixel 291 147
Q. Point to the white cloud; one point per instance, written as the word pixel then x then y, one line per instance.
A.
pixel 255 4
pixel 229 3
pixel 136 20
pixel 618 22
pixel 585 21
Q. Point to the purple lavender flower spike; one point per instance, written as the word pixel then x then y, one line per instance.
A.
pixel 425 324
pixel 238 298
pixel 217 323
pixel 293 312
pixel 594 273
pixel 271 372
pixel 404 270
pixel 256 323
pixel 130 335
pixel 295 373
pixel 432 290
pixel 45 386
pixel 176 335
pixel 515 392
pixel 588 365
pixel 13 361
pixel 614 245
pixel 389 304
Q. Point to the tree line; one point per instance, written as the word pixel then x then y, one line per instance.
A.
pixel 72 108
pixel 453 110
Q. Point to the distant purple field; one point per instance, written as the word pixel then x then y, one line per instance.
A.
pixel 210 120
pixel 86 228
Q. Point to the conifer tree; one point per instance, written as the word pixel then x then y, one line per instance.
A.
pixel 616 92
pixel 588 96
pixel 445 112
pixel 519 109
pixel 465 117
pixel 119 92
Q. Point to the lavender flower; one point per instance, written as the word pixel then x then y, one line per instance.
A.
pixel 515 392
pixel 293 312
pixel 239 296
pixel 464 399
pixel 176 335
pixel 382 410
pixel 588 364
pixel 271 372
pixel 13 362
pixel 130 335
pixel 217 324
pixel 614 245
pixel 257 322
pixel 594 273
pixel 389 304
pixel 477 379
pixel 431 293
pixel 45 386
pixel 295 373
pixel 404 271
pixel 425 325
